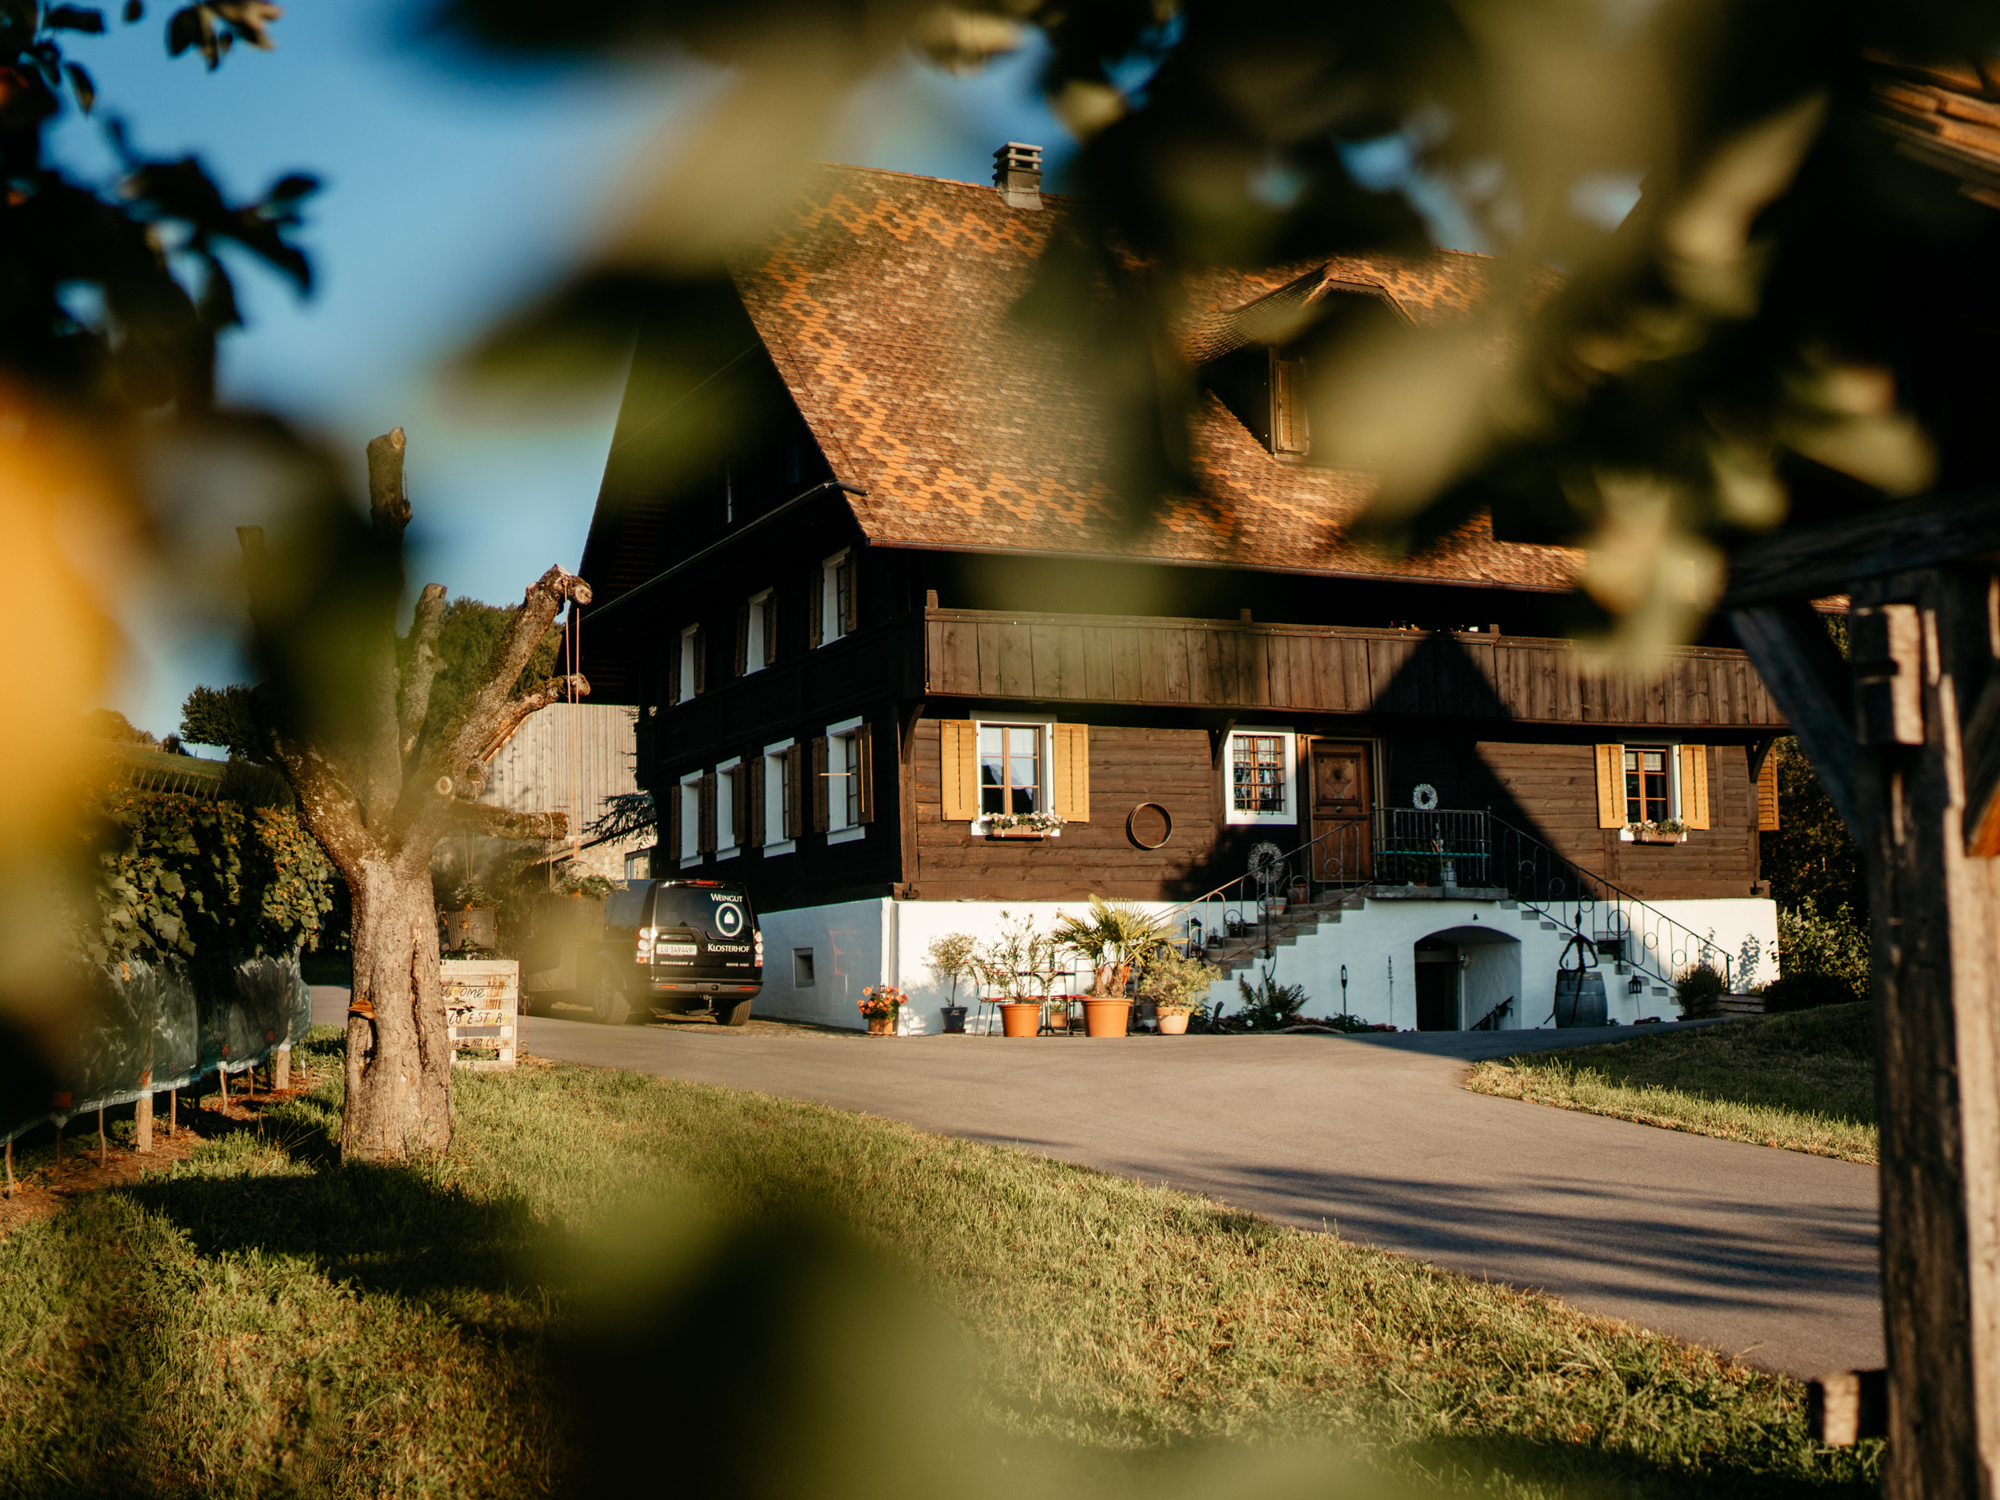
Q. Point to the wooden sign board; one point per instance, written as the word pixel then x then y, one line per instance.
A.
pixel 482 1004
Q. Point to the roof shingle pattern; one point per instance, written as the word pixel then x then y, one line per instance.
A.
pixel 887 303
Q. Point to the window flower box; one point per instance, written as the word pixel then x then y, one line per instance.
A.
pixel 1669 832
pixel 1022 825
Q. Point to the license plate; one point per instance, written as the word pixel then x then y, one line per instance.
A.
pixel 676 950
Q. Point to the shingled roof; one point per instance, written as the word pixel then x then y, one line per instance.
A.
pixel 886 303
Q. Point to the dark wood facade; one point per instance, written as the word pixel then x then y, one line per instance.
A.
pixel 1493 723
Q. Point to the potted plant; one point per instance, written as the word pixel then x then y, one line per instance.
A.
pixel 1175 984
pixel 1666 831
pixel 1111 940
pixel 1044 965
pixel 1002 963
pixel 881 1004
pixel 953 955
pixel 1032 825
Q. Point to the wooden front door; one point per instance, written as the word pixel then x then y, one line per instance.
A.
pixel 1343 791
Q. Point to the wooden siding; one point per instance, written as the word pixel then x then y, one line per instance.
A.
pixel 1209 664
pixel 1173 767
pixel 1550 791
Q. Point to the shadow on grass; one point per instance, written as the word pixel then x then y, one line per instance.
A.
pixel 1587 1469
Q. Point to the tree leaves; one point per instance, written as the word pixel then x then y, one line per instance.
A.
pixel 212 28
pixel 74 18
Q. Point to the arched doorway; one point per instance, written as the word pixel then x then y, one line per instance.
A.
pixel 1468 976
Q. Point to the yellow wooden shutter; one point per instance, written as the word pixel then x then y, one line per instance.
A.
pixel 861 764
pixel 1069 773
pixel 1610 786
pixel 958 769
pixel 1694 786
pixel 1767 793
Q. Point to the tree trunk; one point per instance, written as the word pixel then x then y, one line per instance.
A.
pixel 398 1049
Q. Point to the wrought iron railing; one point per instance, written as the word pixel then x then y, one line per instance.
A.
pixel 1457 849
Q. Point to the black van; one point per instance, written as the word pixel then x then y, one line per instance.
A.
pixel 651 945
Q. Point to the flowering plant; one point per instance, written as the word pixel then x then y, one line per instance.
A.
pixel 1040 821
pixel 880 1000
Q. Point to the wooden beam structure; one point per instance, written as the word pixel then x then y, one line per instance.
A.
pixel 1905 742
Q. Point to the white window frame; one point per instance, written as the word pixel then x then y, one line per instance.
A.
pixel 753 635
pixel 1673 783
pixel 774 800
pixel 1290 813
pixel 1046 725
pixel 726 840
pixel 839 778
pixel 829 596
pixel 685 688
pixel 690 850
pixel 641 858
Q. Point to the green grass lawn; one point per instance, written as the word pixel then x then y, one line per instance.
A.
pixel 615 1284
pixel 1804 1081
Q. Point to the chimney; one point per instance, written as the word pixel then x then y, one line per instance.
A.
pixel 1017 172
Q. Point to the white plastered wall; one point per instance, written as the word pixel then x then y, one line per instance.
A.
pixel 859 943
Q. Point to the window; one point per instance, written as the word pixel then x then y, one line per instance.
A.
pixel 755 652
pixel 780 816
pixel 1648 784
pixel 802 968
pixel 1010 768
pixel 729 807
pixel 690 820
pixel 689 682
pixel 1261 776
pixel 834 606
pixel 639 864
pixel 848 770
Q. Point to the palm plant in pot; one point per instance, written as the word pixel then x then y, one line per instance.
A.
pixel 953 956
pixel 1175 983
pixel 1111 940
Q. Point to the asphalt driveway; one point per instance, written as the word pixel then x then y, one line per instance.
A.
pixel 1769 1255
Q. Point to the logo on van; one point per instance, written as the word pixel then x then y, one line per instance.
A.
pixel 728 919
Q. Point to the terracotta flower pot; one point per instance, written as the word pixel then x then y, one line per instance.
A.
pixel 1106 1017
pixel 1173 1023
pixel 881 1025
pixel 1018 1018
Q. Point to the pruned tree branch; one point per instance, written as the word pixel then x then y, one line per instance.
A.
pixel 497 822
pixel 420 671
pixel 388 496
pixel 517 710
pixel 486 719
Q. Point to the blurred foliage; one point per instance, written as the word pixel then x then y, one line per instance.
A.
pixel 1792 321
pixel 111 296
pixel 210 880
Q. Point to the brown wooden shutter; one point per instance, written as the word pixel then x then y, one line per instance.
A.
pixel 673 829
pixel 1288 406
pixel 771 628
pixel 1610 786
pixel 1767 793
pixel 752 834
pixel 861 765
pixel 700 660
pixel 958 769
pixel 850 595
pixel 795 787
pixel 705 815
pixel 674 670
pixel 818 778
pixel 816 608
pixel 1069 772
pixel 743 638
pixel 1694 786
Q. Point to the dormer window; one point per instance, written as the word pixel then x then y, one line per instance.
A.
pixel 1290 432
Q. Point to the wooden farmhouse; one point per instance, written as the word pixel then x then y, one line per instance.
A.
pixel 903 662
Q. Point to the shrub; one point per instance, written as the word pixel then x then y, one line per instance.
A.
pixel 1809 991
pixel 1698 986
pixel 1834 945
pixel 1174 982
pixel 1271 1006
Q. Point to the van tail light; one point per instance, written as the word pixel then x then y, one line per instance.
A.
pixel 646 937
pixel 760 950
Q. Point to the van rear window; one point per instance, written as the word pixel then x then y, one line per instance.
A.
pixel 723 914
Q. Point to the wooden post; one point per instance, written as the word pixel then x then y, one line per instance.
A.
pixel 281 1066
pixel 174 1112
pixel 10 1166
pixel 103 1150
pixel 222 1083
pixel 142 1123
pixel 1936 920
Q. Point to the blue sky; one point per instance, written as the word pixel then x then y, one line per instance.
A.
pixel 455 188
